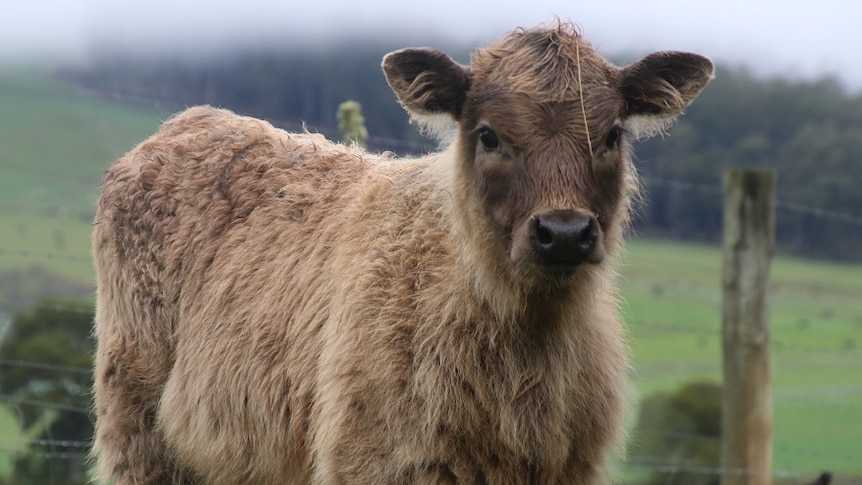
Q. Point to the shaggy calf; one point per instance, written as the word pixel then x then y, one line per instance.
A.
pixel 276 308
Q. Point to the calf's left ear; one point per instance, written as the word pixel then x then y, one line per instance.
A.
pixel 427 81
pixel 662 84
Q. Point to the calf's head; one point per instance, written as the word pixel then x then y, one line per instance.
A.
pixel 544 125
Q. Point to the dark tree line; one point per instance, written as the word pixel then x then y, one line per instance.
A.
pixel 810 132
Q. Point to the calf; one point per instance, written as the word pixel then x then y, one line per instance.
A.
pixel 276 308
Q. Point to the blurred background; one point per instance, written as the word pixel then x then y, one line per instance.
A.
pixel 83 81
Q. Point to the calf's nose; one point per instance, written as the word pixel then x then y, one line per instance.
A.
pixel 563 237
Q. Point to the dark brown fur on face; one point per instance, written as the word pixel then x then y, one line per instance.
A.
pixel 276 308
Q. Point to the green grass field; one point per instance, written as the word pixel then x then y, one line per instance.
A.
pixel 672 305
pixel 57 142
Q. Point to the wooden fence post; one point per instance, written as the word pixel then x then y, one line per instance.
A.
pixel 749 238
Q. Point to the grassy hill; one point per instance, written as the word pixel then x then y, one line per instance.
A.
pixel 58 141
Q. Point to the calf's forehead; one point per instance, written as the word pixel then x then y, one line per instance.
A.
pixel 524 121
pixel 544 81
pixel 550 65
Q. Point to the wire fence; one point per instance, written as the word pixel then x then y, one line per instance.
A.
pixel 378 142
pixel 780 204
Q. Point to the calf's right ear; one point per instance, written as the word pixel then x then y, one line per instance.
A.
pixel 427 81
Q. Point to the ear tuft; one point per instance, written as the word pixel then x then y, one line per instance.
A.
pixel 426 81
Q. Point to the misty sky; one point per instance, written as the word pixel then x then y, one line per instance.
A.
pixel 788 37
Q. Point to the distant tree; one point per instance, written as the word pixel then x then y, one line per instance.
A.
pixel 681 429
pixel 351 123
pixel 46 357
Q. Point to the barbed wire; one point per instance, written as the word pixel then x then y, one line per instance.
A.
pixel 49 455
pixel 780 203
pixel 815 211
pixel 296 126
pixel 7 314
pixel 789 205
pixel 43 404
pixel 652 465
pixel 44 366
pixel 689 468
pixel 805 477
pixel 49 442
pixel 415 147
pixel 644 463
pixel 57 306
pixel 795 450
pixel 713 328
pixel 680 184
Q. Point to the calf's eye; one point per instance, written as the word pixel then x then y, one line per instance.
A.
pixel 613 138
pixel 488 139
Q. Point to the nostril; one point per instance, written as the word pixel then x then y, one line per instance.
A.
pixel 588 235
pixel 544 234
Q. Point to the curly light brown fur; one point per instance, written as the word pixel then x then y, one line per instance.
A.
pixel 276 308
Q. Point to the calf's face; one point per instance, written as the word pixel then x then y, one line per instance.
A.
pixel 544 127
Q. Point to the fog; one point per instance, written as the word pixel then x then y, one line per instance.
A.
pixel 807 39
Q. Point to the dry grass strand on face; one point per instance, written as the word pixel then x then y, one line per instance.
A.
pixel 583 103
